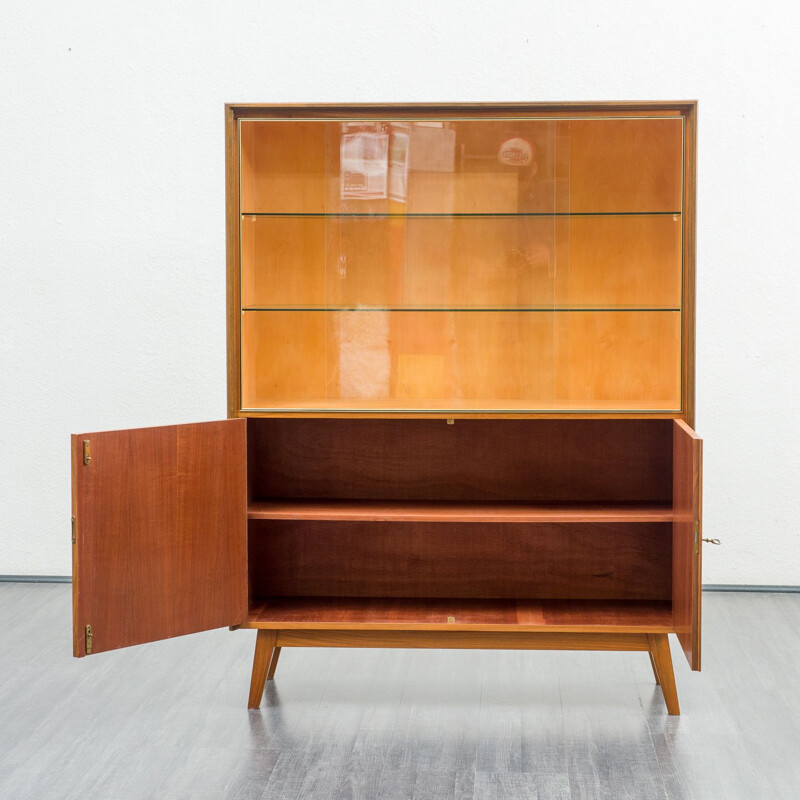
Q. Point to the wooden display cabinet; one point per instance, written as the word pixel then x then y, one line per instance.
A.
pixel 461 391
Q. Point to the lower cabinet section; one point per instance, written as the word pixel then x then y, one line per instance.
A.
pixel 562 533
pixel 488 534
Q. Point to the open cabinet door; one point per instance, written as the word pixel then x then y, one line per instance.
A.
pixel 159 533
pixel 687 483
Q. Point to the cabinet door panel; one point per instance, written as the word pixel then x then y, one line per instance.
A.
pixel 160 533
pixel 687 481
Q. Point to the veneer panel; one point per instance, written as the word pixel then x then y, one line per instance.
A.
pixel 442 559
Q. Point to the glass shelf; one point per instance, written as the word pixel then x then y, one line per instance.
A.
pixel 457 215
pixel 474 309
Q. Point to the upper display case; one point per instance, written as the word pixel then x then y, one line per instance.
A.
pixel 458 261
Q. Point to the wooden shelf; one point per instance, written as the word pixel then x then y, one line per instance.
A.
pixel 422 613
pixel 411 511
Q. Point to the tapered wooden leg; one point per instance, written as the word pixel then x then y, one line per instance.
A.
pixel 655 669
pixel 265 645
pixel 273 663
pixel 662 658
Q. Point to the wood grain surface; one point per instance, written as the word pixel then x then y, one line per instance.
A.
pixel 580 560
pixel 689 258
pixel 661 659
pixel 466 640
pixel 686 539
pixel 458 613
pixel 161 533
pixel 262 658
pixel 416 511
pixel 549 462
pixel 232 262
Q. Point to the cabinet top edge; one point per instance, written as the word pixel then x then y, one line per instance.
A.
pixel 291 109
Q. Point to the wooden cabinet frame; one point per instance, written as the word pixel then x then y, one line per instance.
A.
pixel 454 527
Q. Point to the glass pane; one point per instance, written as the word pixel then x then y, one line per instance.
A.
pixel 624 165
pixel 399 262
pixel 620 261
pixel 462 264
pixel 455 262
pixel 439 360
pixel 282 167
pixel 441 167
pixel 619 360
pixel 492 361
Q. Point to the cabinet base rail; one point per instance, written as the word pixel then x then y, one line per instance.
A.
pixel 270 642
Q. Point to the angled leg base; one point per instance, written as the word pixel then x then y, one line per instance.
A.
pixel 662 666
pixel 270 641
pixel 655 669
pixel 273 663
pixel 265 647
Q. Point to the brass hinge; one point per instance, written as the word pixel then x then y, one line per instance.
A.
pixel 451 421
pixel 88 640
pixel 73 530
pixel 87 453
pixel 696 537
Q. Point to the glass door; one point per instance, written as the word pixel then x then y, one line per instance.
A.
pixel 445 264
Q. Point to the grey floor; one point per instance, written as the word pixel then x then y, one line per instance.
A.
pixel 168 720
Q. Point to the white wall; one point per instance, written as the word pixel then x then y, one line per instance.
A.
pixel 112 246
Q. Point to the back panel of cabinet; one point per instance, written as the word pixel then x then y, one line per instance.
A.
pixel 552 509
pixel 481 461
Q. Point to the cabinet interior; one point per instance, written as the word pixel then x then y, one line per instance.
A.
pixel 471 264
pixel 479 521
